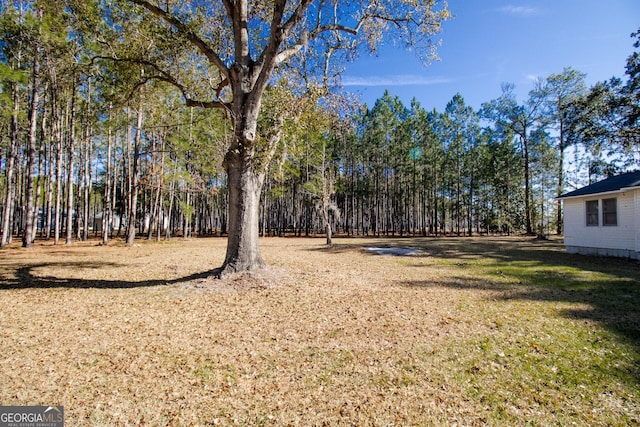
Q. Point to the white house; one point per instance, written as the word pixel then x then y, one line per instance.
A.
pixel 604 218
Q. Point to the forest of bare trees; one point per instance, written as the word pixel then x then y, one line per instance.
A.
pixel 82 156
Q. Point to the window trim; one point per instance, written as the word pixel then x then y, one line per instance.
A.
pixel 592 217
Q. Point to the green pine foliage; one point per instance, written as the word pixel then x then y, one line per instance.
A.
pixel 386 170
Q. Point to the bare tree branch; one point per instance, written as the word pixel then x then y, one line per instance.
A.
pixel 167 78
pixel 312 35
pixel 183 29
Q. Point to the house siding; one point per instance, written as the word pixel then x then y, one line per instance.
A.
pixel 622 240
pixel 637 221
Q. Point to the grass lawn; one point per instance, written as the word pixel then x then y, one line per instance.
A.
pixel 468 331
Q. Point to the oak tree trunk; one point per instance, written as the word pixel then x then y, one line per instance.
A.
pixel 327 228
pixel 245 172
pixel 245 186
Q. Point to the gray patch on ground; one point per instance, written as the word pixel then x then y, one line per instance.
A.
pixel 393 251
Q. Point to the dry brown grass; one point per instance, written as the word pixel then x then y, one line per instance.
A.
pixel 142 336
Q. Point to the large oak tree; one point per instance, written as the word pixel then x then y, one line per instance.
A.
pixel 225 53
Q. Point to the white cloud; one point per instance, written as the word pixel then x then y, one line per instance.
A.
pixel 520 10
pixel 393 80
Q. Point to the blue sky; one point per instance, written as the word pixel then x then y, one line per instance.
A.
pixel 489 42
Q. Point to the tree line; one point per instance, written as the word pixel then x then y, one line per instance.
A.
pixel 82 154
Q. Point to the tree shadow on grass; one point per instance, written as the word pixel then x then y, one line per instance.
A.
pixel 604 290
pixel 614 304
pixel 542 271
pixel 25 278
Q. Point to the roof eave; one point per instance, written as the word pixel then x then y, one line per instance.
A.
pixel 603 193
pixel 633 187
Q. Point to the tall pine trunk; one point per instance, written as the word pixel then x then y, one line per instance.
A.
pixel 106 213
pixel 87 169
pixel 49 202
pixel 40 185
pixel 71 158
pixel 28 236
pixel 58 165
pixel 527 188
pixel 560 188
pixel 133 205
pixel 7 218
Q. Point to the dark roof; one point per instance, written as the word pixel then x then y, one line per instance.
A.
pixel 615 183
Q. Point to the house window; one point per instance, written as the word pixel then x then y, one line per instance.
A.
pixel 609 212
pixel 592 213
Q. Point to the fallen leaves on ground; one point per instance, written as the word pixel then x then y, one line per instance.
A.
pixel 144 335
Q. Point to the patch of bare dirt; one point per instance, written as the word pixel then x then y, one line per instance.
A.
pixel 255 280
